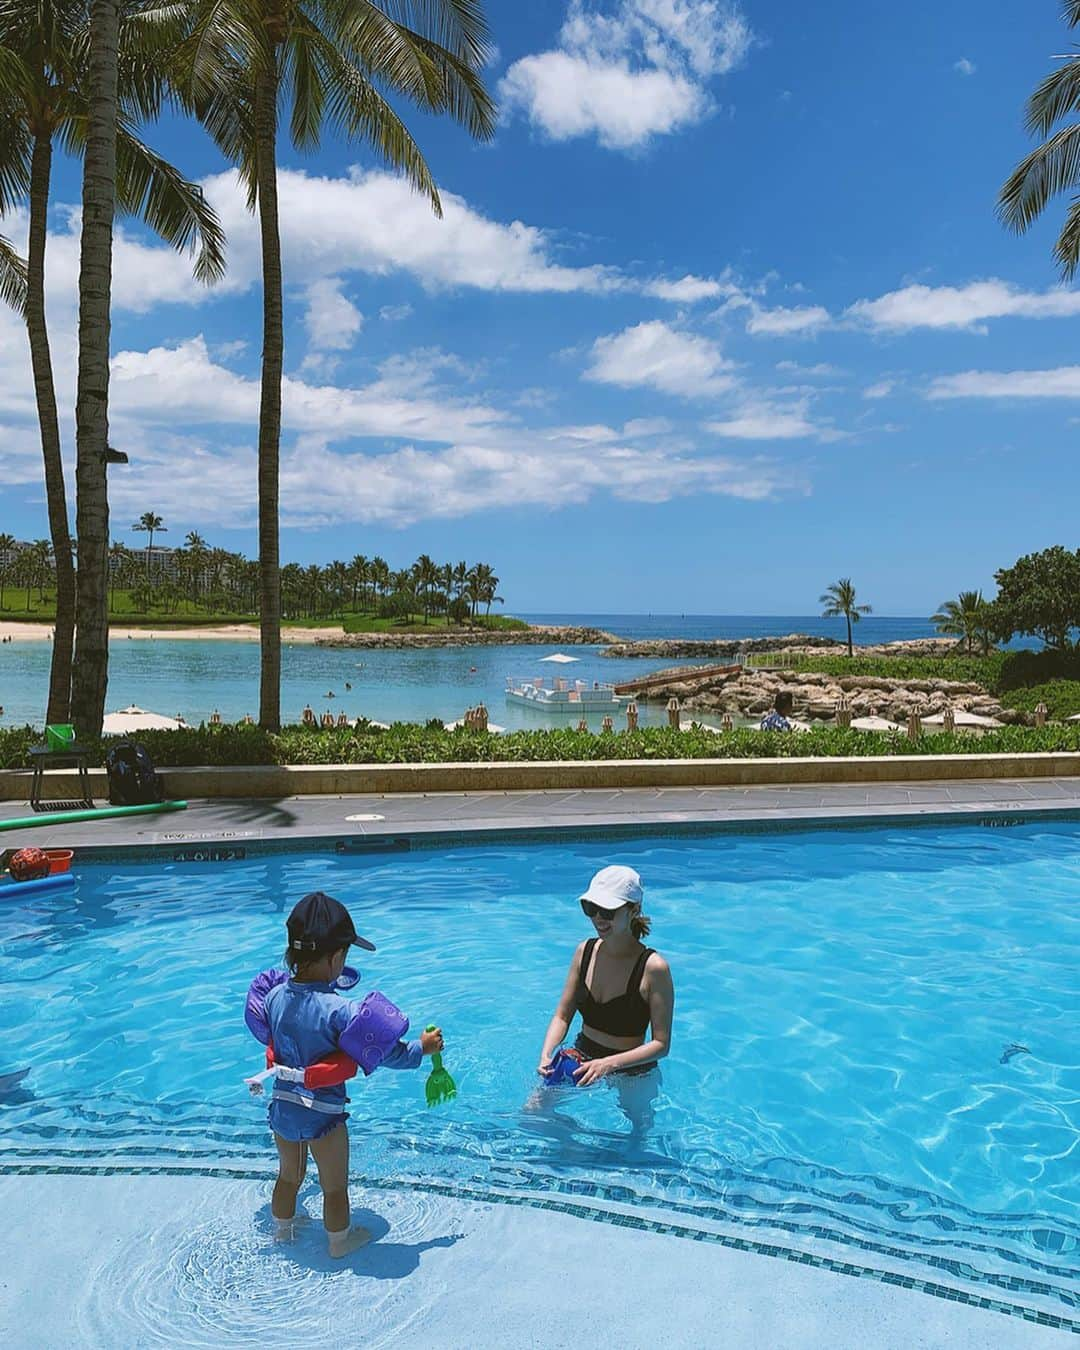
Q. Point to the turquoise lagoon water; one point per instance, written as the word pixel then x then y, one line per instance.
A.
pixel 875 1053
pixel 194 677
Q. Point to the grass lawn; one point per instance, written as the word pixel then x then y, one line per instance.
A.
pixel 186 614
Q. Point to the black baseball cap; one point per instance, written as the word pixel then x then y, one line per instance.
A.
pixel 319 923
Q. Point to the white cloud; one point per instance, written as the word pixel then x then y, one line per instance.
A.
pixel 332 320
pixel 639 69
pixel 654 355
pixel 961 306
pixel 882 389
pixel 965 67
pixel 786 322
pixel 166 384
pixel 821 370
pixel 394 313
pixel 1063 382
pixel 689 289
pixel 768 422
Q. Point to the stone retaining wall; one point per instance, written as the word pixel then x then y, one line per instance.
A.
pixel 272 781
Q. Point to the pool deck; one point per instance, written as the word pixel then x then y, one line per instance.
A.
pixel 166 1261
pixel 443 817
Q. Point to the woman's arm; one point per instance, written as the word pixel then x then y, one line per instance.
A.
pixel 564 1013
pixel 660 995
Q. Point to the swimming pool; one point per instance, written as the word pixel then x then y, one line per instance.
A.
pixel 875 1062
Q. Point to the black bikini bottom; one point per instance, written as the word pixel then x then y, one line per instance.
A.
pixel 594 1050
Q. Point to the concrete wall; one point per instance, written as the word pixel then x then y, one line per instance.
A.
pixel 351 779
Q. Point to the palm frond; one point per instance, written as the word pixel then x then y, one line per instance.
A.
pixel 1070 12
pixel 1051 168
pixel 303 73
pixel 457 25
pixel 1067 248
pixel 359 110
pixel 12 276
pixel 1058 95
pixel 15 148
pixel 149 186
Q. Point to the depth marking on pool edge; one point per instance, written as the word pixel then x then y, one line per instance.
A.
pixel 598 1215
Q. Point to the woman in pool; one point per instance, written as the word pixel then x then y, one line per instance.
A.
pixel 622 988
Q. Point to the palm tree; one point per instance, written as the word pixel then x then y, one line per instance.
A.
pixel 359 573
pixel 328 59
pixel 119 569
pixel 197 552
pixel 44 96
pixel 149 524
pixel 964 617
pixel 1054 166
pixel 839 600
pixel 90 670
pixel 7 558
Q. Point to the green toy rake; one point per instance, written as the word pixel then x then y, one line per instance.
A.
pixel 440 1087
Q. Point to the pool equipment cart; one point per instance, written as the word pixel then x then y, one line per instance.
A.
pixel 100 813
pixel 440 1087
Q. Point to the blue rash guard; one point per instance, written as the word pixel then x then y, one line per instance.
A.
pixel 306 1022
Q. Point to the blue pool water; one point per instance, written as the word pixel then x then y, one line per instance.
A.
pixel 844 1003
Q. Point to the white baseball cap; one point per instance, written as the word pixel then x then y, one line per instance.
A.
pixel 613 887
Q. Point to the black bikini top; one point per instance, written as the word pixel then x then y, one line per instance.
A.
pixel 626 1015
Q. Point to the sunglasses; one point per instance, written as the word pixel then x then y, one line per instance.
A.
pixel 592 911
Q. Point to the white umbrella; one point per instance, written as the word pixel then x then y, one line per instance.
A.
pixel 874 723
pixel 1074 718
pixel 962 718
pixel 138 719
pixel 560 659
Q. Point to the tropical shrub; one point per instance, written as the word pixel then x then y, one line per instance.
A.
pixel 411 743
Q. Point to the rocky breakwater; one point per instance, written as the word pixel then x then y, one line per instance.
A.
pixel 749 693
pixel 475 637
pixel 721 649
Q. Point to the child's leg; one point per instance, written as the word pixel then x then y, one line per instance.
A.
pixel 292 1164
pixel 331 1154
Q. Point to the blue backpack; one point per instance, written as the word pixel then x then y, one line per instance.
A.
pixel 133 780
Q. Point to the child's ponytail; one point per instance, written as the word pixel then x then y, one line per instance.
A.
pixel 640 925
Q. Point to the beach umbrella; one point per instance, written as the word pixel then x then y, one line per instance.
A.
pixel 138 719
pixel 962 718
pixel 874 723
pixel 560 659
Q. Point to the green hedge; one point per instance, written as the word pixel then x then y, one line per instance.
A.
pixel 410 743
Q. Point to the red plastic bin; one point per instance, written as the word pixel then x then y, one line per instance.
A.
pixel 59 859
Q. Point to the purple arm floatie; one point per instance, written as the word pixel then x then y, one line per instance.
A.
pixel 373 1031
pixel 255 1007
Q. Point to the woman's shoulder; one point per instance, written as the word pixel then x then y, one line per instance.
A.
pixel 656 964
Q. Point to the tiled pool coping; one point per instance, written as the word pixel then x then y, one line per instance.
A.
pixel 219 830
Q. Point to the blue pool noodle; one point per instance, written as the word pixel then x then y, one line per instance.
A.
pixel 49 883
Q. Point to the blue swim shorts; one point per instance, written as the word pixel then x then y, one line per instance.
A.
pixel 299 1123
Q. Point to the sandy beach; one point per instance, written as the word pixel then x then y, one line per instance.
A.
pixel 227 632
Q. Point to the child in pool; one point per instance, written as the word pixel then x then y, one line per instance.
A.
pixel 304 1022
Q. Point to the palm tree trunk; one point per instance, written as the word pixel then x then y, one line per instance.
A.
pixel 90 673
pixel 266 88
pixel 59 701
pixel 850 649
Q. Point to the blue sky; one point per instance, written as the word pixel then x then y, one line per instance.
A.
pixel 723 313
